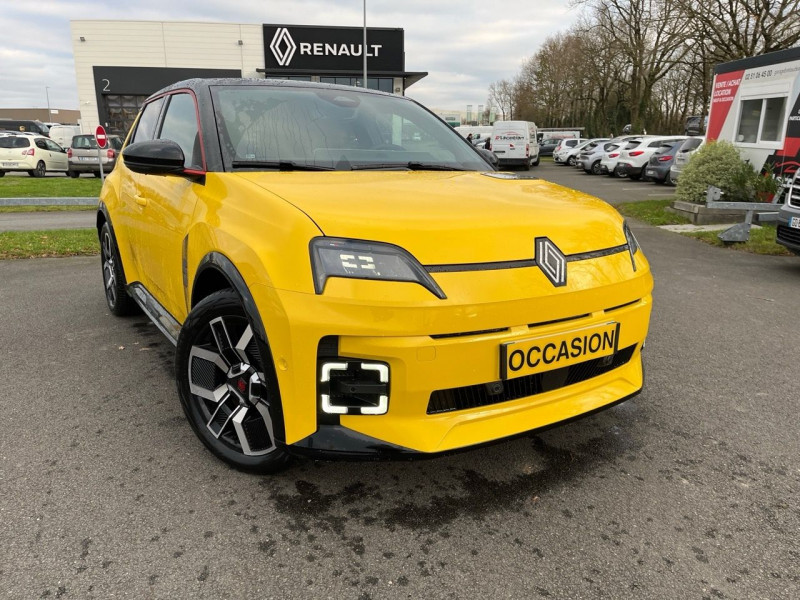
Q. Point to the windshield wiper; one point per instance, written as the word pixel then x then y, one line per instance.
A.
pixel 412 166
pixel 280 165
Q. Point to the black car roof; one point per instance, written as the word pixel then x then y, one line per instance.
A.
pixel 199 84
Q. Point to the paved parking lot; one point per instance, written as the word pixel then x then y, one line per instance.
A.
pixel 688 491
pixel 613 190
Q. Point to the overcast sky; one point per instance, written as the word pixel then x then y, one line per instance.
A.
pixel 463 46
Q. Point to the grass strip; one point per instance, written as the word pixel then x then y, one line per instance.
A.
pixel 49 187
pixel 46 208
pixel 653 212
pixel 762 241
pixel 48 244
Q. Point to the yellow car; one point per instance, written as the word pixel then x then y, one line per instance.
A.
pixel 343 274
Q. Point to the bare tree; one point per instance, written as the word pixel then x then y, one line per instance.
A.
pixel 733 29
pixel 501 96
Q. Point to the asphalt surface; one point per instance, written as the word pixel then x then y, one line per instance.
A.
pixel 687 491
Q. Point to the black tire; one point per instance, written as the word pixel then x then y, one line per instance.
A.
pixel 114 283
pixel 596 167
pixel 668 178
pixel 227 385
pixel 571 161
pixel 97 174
pixel 39 171
pixel 635 177
pixel 73 174
pixel 536 162
pixel 2 173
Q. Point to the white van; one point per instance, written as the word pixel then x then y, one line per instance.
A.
pixel 514 143
pixel 63 134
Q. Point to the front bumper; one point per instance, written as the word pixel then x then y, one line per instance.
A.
pixel 433 346
pixel 787 236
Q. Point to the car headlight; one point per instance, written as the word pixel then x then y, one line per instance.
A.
pixel 356 259
pixel 633 245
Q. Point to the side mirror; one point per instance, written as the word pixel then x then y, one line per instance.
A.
pixel 154 157
pixel 490 156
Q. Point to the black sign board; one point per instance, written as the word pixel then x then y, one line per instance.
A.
pixel 294 48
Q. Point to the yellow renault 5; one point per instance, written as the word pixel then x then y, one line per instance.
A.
pixel 343 274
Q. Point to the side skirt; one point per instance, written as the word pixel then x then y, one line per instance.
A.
pixel 155 312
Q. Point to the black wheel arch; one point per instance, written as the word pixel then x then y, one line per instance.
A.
pixel 217 272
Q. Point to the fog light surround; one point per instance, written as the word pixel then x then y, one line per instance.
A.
pixel 354 387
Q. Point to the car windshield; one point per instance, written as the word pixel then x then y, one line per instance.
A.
pixel 285 128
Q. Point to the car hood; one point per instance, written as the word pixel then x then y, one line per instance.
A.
pixel 448 217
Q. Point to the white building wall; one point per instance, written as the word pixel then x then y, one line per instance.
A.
pixel 159 44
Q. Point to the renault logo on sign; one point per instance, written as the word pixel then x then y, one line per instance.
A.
pixel 283 46
pixel 551 261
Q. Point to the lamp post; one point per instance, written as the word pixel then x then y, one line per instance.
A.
pixel 365 43
pixel 47 94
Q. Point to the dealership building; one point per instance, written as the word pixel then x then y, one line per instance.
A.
pixel 118 64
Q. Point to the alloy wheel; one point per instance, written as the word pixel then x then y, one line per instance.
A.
pixel 109 274
pixel 227 386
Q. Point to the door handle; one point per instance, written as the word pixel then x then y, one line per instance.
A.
pixel 140 200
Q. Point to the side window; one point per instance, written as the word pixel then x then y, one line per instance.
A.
pixel 180 126
pixel 41 144
pixel 52 146
pixel 145 130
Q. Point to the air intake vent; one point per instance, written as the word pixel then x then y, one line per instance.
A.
pixel 495 392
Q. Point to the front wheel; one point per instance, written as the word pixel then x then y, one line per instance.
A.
pixel 117 298
pixel 227 385
pixel 596 168
pixel 571 161
pixel 73 174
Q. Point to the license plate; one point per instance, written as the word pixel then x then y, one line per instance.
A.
pixel 499 151
pixel 88 158
pixel 650 173
pixel 794 222
pixel 535 355
pixel 9 164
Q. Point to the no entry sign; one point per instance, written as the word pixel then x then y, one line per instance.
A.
pixel 100 136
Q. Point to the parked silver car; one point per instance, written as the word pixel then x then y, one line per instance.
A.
pixel 683 155
pixel 83 153
pixel 591 156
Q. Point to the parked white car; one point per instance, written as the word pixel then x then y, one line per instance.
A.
pixel 564 147
pixel 35 154
pixel 683 155
pixel 633 159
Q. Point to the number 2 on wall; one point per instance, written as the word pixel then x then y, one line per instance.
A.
pixel 107 84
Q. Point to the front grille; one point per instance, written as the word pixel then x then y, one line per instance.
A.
pixel 788 235
pixel 794 195
pixel 475 396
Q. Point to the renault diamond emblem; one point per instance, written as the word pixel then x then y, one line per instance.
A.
pixel 283 46
pixel 551 261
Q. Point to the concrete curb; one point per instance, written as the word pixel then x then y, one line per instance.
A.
pixel 75 201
